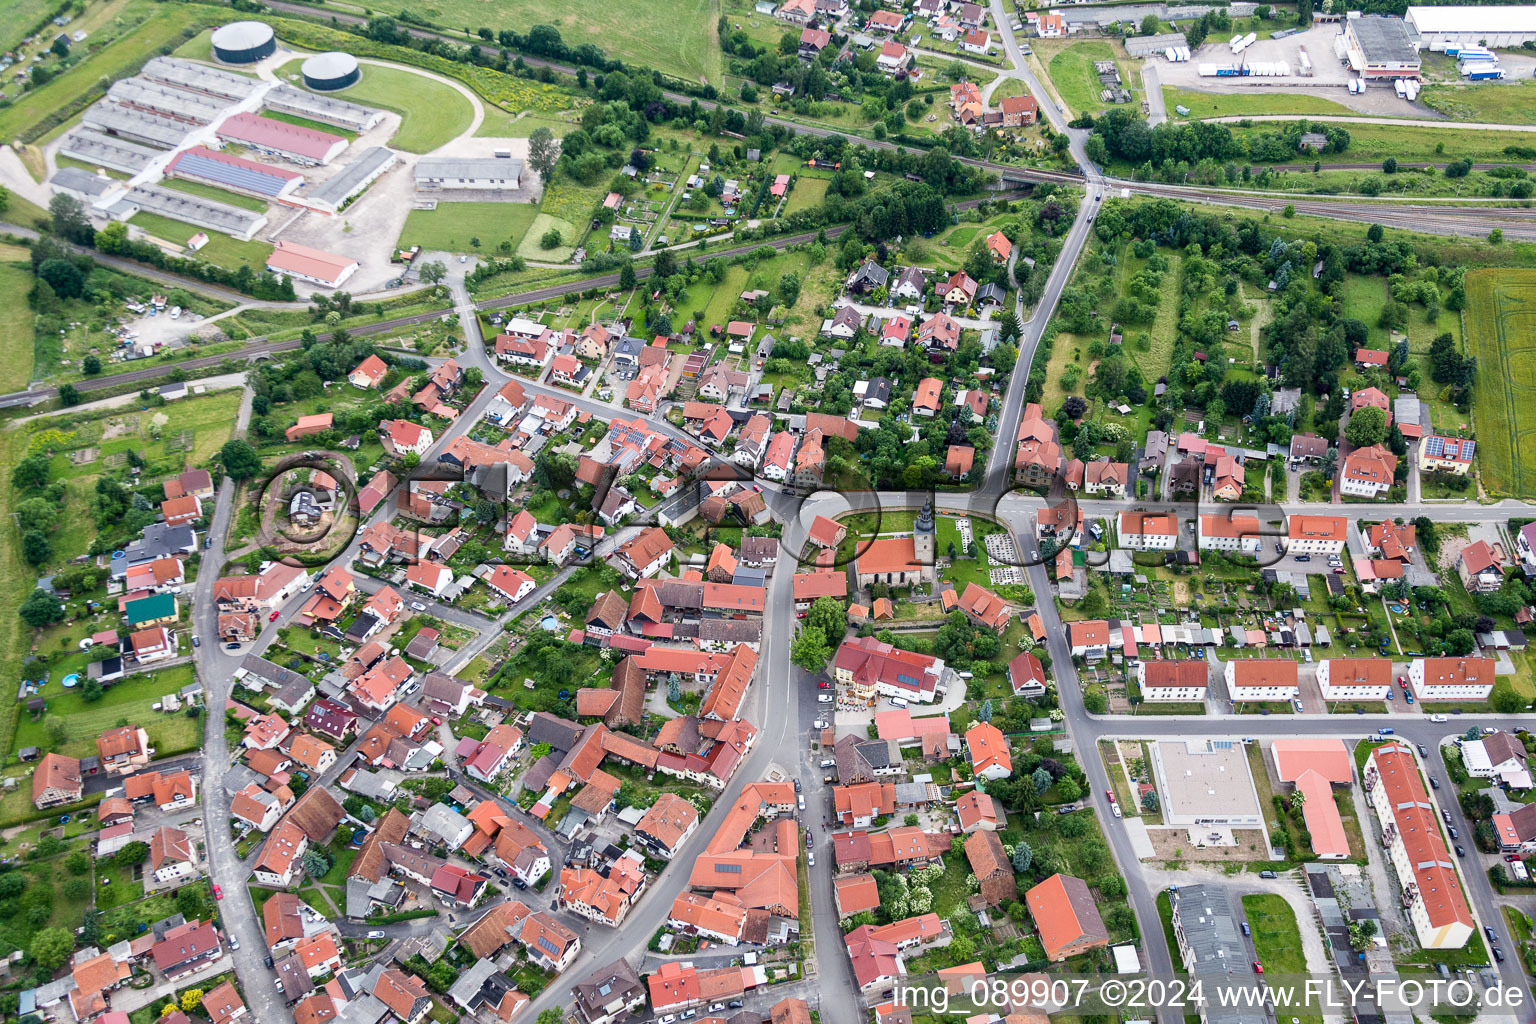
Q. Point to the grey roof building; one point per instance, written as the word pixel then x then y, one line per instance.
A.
pixel 1211 947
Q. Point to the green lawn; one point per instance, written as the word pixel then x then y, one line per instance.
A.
pixel 20 17
pixel 431 113
pixel 454 226
pixel 676 37
pixel 1409 144
pixel 225 250
pixel 531 248
pixel 15 327
pixel 130 699
pixel 1259 101
pixel 1498 322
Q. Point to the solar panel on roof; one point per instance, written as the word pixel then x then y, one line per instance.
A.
pixel 244 178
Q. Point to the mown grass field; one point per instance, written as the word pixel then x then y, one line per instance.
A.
pixel 1501 333
pixel 1372 142
pixel 1276 939
pixel 225 250
pixel 531 249
pixel 431 113
pixel 130 699
pixel 452 226
pixel 673 36
pixel 1507 102
pixel 1260 101
pixel 15 327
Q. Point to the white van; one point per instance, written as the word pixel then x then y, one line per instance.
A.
pixel 898 702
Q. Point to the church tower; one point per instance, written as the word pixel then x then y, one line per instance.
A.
pixel 924 538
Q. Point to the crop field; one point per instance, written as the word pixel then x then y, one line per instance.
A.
pixel 454 226
pixel 673 36
pixel 1501 333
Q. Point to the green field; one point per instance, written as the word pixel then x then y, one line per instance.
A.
pixel 454 226
pixel 222 249
pixel 21 17
pixel 1009 87
pixel 1260 101
pixel 131 699
pixel 15 327
pixel 530 249
pixel 1072 73
pixel 675 37
pixel 431 113
pixel 1501 333
pixel 1509 102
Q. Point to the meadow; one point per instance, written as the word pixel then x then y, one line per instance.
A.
pixel 1071 71
pixel 1505 102
pixel 1501 323
pixel 225 250
pixel 15 327
pixel 676 37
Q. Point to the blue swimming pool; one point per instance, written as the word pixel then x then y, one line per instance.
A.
pixel 71 679
pixel 550 623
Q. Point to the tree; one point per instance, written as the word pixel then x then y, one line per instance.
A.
pixel 984 713
pixel 36 547
pixel 810 649
pixel 828 615
pixel 77 863
pixel 1375 233
pixel 63 277
pixel 553 1015
pixel 32 471
pixel 1150 25
pixel 70 220
pixel 1361 933
pixel 69 395
pixel 51 947
pixel 433 272
pixel 41 609
pixel 551 239
pixel 316 864
pixel 627 276
pixel 191 999
pixel 1041 780
pixel 543 152
pixel 239 459
pixel 1150 800
pixel 1367 426
pixel 90 365
pixel 1298 800
pixel 77 888
pixel 1023 857
pixel 1068 789
pixel 131 855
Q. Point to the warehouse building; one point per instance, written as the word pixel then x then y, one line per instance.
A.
pixel 200 78
pixel 98 150
pixel 281 139
pixel 1152 46
pixel 1380 47
pixel 1498 28
pixel 190 209
pixel 83 185
pixel 244 42
pixel 164 101
pixel 312 265
pixel 134 125
pixel 327 72
pixel 501 174
pixel 1206 782
pixel 351 116
pixel 333 195
pixel 234 173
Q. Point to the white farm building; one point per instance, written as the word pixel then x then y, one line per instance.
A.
pixel 1497 28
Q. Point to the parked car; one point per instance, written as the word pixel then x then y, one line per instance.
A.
pixel 218 893
pixel 234 942
pixel 1258 968
pixel 1460 852
pixel 1268 874
pixel 1423 750
pixel 824 698
pixel 196 642
pixel 275 613
pixel 231 646
pixel 417 606
pixel 823 685
pixel 376 934
pixel 1246 929
pixel 1434 783
pixel 1498 954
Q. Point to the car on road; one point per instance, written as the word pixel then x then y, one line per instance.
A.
pixel 1446 814
pixel 1115 808
pixel 1452 830
pixel 810 858
pixel 1246 929
pixel 196 640
pixel 234 942
pixel 824 698
pixel 1498 954
pixel 231 646
pixel 801 799
pixel 275 613
pixel 218 893
pixel 1303 558
pixel 1460 852
pixel 1385 730
pixel 735 1004
pixel 668 1019
pixel 279 983
pixel 823 685
pixel 1267 873
pixel 797 785
pixel 267 960
pixel 1390 695
pixel 1258 968
pixel 417 606
pixel 1438 718
pixel 1510 858
pixel 1423 750
pixel 1434 783
pixel 1111 794
pixel 375 934
pixel 688 1015
pixel 1408 697
pixel 716 1007
pixel 1492 935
